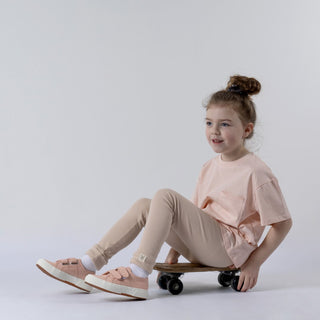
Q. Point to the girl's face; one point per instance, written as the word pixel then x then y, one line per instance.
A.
pixel 225 132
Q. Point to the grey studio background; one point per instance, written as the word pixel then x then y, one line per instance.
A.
pixel 101 104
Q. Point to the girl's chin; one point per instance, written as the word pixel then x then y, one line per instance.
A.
pixel 217 148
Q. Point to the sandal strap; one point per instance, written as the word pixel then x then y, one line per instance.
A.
pixel 68 261
pixel 120 273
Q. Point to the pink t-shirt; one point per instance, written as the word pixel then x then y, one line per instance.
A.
pixel 243 196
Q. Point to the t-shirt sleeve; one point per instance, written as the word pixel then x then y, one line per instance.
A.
pixel 270 203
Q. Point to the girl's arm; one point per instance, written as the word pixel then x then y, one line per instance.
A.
pixel 250 269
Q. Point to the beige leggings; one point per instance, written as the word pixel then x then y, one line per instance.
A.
pixel 168 217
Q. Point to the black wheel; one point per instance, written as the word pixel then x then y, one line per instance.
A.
pixel 175 286
pixel 234 283
pixel 163 281
pixel 224 278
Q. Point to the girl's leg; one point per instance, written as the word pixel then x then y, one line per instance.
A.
pixel 126 230
pixel 171 218
pixel 177 244
pixel 176 219
pixel 74 271
pixel 121 234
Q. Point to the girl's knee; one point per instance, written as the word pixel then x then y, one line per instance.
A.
pixel 144 203
pixel 165 193
pixel 167 196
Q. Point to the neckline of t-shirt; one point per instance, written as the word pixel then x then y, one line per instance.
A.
pixel 234 162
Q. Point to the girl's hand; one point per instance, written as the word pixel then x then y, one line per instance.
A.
pixel 249 275
pixel 172 257
pixel 250 269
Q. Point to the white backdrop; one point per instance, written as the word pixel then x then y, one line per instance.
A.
pixel 101 104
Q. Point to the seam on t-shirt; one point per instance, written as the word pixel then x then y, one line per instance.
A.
pixel 272 179
pixel 254 193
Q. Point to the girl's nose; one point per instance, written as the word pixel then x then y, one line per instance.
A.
pixel 215 130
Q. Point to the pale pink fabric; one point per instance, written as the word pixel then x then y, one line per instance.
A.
pixel 243 196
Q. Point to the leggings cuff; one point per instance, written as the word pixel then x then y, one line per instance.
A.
pixel 145 262
pixel 97 256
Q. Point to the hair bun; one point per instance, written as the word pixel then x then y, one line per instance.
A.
pixel 248 85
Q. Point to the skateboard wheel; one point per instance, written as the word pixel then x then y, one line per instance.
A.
pixel 175 286
pixel 234 283
pixel 163 281
pixel 224 278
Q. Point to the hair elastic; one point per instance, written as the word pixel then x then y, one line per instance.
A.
pixel 236 89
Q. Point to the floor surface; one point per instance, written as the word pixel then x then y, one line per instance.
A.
pixel 285 290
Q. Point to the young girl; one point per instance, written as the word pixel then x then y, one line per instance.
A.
pixel 236 196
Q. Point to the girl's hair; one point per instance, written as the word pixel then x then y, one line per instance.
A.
pixel 237 96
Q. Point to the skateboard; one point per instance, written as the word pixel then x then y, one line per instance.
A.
pixel 168 277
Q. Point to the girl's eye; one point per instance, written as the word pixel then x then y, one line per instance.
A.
pixel 223 124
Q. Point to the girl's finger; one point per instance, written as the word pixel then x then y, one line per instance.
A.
pixel 241 280
pixel 245 284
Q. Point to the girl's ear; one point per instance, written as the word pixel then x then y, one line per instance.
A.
pixel 248 129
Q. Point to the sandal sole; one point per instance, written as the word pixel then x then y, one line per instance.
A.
pixel 106 286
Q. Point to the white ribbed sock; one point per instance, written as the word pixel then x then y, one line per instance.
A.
pixel 88 263
pixel 139 272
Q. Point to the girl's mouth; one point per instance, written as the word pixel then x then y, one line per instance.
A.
pixel 216 141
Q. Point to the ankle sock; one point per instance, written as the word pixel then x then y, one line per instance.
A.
pixel 88 263
pixel 139 272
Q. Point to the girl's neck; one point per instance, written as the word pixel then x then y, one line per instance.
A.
pixel 228 158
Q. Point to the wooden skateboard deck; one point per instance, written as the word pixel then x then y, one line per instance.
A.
pixel 187 267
